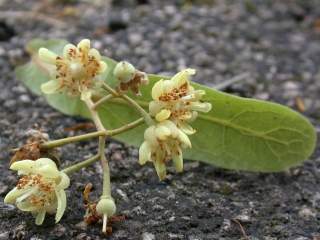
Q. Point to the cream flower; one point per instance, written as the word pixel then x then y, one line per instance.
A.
pixel 163 142
pixel 75 72
pixel 178 101
pixel 40 189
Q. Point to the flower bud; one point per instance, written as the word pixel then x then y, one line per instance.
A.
pixel 124 71
pixel 106 206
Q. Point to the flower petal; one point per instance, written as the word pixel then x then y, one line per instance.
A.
pixel 84 45
pixel 149 136
pixel 167 86
pixel 94 53
pixel 47 168
pixel 45 162
pixel 50 87
pixel 162 132
pixel 27 194
pixel 69 51
pixel 160 169
pixel 164 114
pixel 155 107
pixel 184 139
pixel 62 203
pixel 23 166
pixel 40 217
pixel 26 206
pixel 178 160
pixel 86 94
pixel 182 77
pixel 201 107
pixel 186 128
pixel 157 90
pixel 103 67
pixel 47 56
pixel 144 153
pixel 64 182
pixel 11 196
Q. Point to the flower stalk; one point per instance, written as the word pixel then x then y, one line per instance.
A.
pixel 106 186
pixel 113 132
pixel 76 167
pixel 132 102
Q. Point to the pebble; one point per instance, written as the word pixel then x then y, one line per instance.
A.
pixel 135 39
pixel 306 213
pixel 81 225
pixel 148 236
pixel 59 230
pixel 4 236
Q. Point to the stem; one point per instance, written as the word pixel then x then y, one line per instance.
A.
pixel 125 128
pixel 106 189
pixel 102 100
pixel 78 166
pixel 132 102
pixel 143 113
pixel 64 141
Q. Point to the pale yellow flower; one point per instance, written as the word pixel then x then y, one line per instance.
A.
pixel 40 190
pixel 163 142
pixel 178 101
pixel 75 72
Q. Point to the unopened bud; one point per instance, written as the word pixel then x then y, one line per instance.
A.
pixel 106 206
pixel 124 71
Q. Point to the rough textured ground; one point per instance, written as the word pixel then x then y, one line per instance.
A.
pixel 277 42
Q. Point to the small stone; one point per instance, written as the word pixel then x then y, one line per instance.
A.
pixel 59 230
pixel 24 98
pixel 291 89
pixel 81 225
pixel 148 236
pixel 83 236
pixel 135 39
pixel 243 218
pixel 306 213
pixel 138 211
pixel 157 207
pixel 4 236
pixel 175 236
pixel 3 188
pixel 226 225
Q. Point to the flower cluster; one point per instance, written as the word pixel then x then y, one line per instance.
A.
pixel 175 104
pixel 40 190
pixel 75 72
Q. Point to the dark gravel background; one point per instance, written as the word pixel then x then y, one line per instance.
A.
pixel 277 42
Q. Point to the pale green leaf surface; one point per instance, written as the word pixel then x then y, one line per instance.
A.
pixel 238 133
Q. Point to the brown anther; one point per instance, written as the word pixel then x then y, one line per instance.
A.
pixel 23 181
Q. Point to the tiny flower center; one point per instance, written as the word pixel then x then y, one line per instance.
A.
pixel 76 70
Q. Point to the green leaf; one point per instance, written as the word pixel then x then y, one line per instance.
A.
pixel 239 133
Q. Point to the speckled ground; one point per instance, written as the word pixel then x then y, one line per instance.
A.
pixel 277 42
